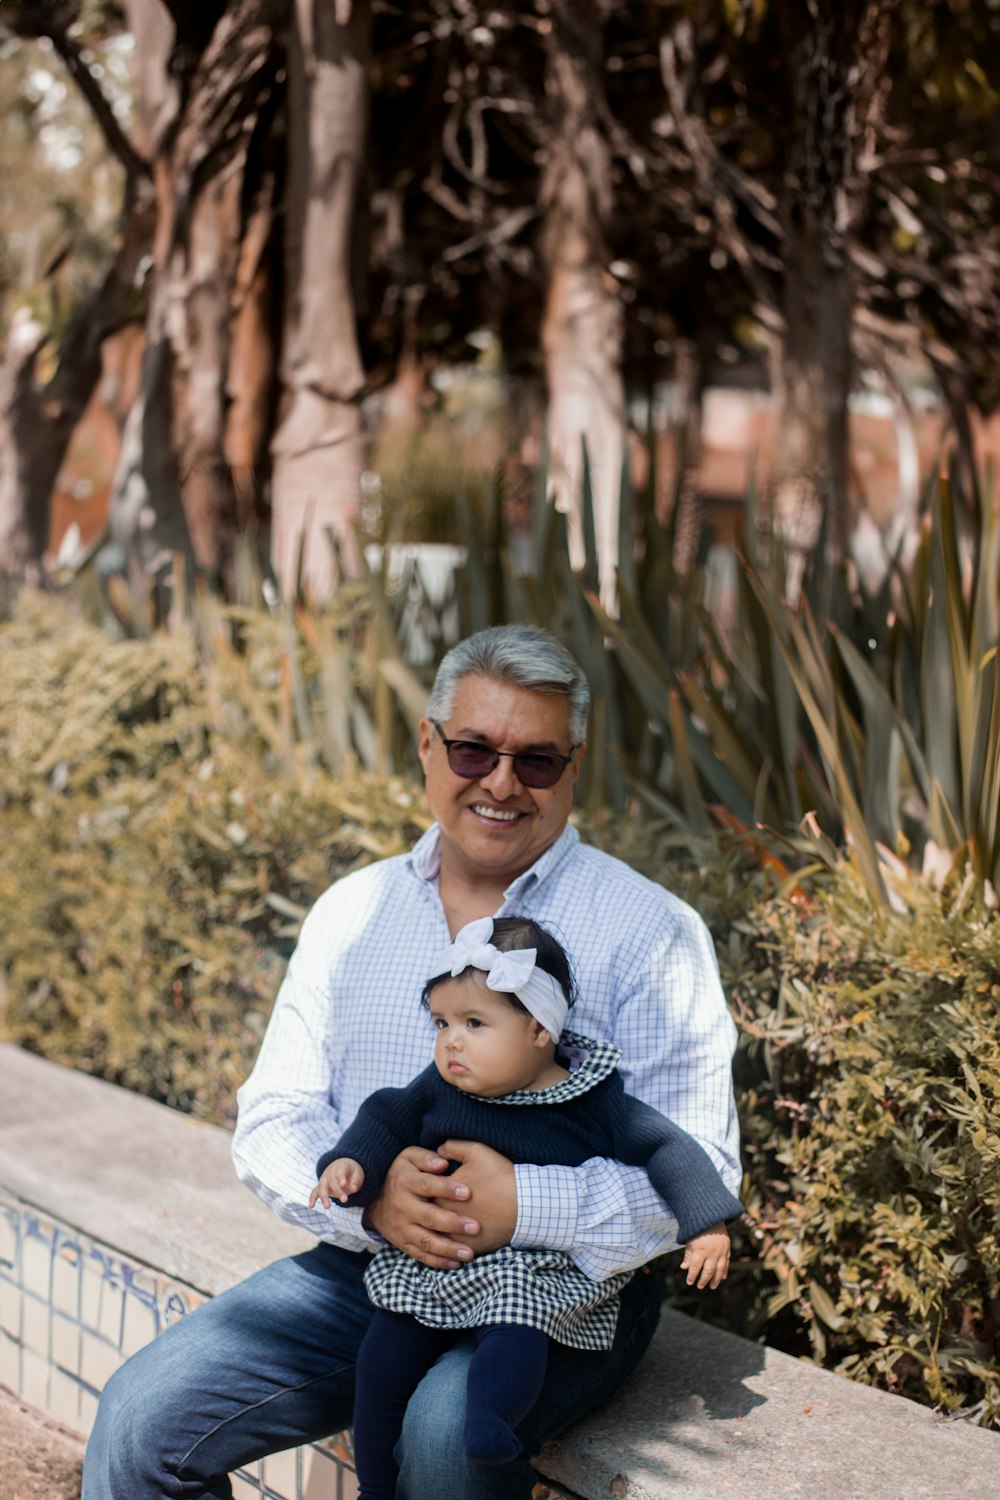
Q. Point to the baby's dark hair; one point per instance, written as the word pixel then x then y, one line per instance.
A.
pixel 521 932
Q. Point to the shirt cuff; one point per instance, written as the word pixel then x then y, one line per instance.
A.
pixel 345 1228
pixel 548 1208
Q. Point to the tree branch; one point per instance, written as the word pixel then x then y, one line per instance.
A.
pixel 37 20
pixel 118 143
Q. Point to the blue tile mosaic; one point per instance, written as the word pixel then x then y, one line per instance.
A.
pixel 72 1310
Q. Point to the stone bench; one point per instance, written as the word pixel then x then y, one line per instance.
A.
pixel 117 1215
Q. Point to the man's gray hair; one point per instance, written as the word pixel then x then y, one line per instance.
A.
pixel 522 655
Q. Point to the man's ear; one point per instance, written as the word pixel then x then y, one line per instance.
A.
pixel 578 754
pixel 424 743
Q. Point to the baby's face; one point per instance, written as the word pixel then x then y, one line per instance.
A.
pixel 483 1044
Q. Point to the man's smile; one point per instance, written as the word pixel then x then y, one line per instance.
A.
pixel 497 814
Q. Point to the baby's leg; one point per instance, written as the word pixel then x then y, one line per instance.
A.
pixel 506 1374
pixel 394 1357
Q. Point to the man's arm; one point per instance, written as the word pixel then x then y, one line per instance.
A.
pixel 677 1041
pixel 287 1121
pixel 286 1115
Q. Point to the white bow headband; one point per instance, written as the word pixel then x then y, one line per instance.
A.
pixel 513 973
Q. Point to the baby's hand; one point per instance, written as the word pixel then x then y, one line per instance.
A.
pixel 706 1258
pixel 341 1179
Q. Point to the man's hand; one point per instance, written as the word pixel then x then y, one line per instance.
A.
pixel 407 1214
pixel 489 1178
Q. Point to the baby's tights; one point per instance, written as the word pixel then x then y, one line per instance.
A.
pixel 505 1379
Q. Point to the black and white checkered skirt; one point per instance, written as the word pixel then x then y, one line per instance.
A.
pixel 540 1288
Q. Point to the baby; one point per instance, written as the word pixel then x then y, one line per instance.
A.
pixel 499 1006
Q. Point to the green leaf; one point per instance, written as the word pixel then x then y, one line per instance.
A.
pixel 822 1306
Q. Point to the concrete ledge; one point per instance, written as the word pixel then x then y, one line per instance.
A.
pixel 707 1415
pixel 152 1183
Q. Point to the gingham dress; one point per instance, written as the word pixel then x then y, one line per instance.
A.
pixel 540 1288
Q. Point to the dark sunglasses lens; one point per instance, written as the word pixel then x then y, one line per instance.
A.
pixel 472 761
pixel 469 760
pixel 538 770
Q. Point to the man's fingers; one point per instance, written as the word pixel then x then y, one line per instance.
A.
pixel 441 1221
pixel 437 1250
pixel 424 1160
pixel 428 1185
pixel 455 1150
pixel 436 1262
pixel 410 1213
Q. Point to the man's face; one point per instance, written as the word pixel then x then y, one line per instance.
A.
pixel 495 828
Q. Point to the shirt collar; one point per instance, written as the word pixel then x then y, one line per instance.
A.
pixel 425 859
pixel 425 856
pixel 544 864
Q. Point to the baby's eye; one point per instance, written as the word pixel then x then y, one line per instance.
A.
pixel 473 1024
pixel 440 1024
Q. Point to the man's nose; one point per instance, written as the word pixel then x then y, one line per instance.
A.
pixel 502 781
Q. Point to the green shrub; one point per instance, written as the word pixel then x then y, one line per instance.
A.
pixel 145 931
pixel 868 1088
pixel 152 874
pixel 870 1101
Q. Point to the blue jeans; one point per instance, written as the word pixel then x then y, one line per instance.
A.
pixel 270 1364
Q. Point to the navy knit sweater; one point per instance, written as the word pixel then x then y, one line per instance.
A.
pixel 604 1121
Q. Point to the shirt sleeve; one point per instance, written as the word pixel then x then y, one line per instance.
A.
pixel 286 1117
pixel 677 1041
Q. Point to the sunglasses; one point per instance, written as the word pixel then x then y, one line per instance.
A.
pixel 534 768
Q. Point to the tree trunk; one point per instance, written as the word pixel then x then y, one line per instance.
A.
pixel 37 421
pixel 204 92
pixel 582 325
pixel 192 312
pixel 813 386
pixel 689 385
pixel 835 50
pixel 23 526
pixel 318 450
pixel 252 376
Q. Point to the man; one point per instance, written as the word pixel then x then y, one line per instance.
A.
pixel 270 1364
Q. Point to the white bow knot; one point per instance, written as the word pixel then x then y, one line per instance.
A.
pixel 513 973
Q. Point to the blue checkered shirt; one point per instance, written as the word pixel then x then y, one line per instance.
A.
pixel 347 1021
